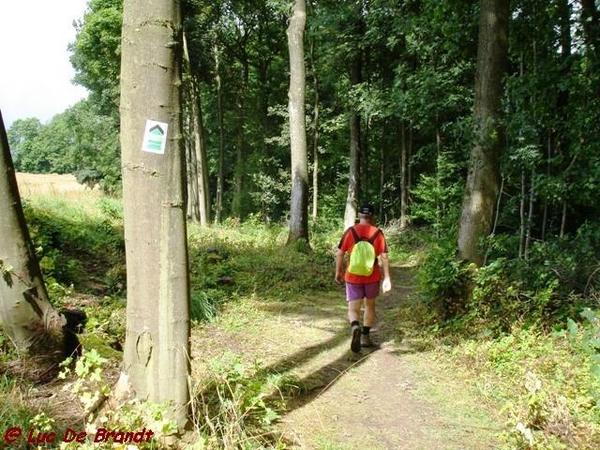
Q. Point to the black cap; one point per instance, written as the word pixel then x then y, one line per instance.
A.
pixel 367 209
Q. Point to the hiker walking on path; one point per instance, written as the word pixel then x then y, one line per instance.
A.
pixel 365 243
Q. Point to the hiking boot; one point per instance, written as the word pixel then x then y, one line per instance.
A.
pixel 355 343
pixel 365 341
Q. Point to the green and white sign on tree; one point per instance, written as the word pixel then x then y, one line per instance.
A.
pixel 155 137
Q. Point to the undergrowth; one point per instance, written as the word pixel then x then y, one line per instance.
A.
pixel 547 383
pixel 78 243
pixel 523 337
pixel 528 335
pixel 81 251
pixel 237 404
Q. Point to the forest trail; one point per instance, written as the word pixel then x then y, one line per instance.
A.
pixel 394 397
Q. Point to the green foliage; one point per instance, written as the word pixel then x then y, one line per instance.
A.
pixel 21 136
pixel 211 277
pixel 438 196
pixel 86 379
pixel 586 338
pixel 14 412
pixel 76 245
pixel 252 258
pixel 281 271
pixel 50 149
pixel 444 280
pixel 555 281
pixel 96 160
pixel 418 65
pixel 79 141
pixel 96 53
pixel 237 405
pixel 88 385
pixel 271 193
pixel 545 383
pixel 105 327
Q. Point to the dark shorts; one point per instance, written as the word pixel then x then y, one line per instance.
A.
pixel 360 291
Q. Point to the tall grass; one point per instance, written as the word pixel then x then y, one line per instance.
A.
pixel 14 408
pixel 236 406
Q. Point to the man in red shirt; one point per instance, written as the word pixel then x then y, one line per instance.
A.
pixel 360 288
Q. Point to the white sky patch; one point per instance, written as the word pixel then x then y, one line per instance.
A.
pixel 35 77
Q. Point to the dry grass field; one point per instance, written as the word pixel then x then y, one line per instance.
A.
pixel 31 184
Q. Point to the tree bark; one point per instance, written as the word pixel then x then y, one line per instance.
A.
pixel 483 176
pixel 193 208
pixel 201 160
pixel 403 176
pixel 221 169
pixel 26 315
pixel 355 145
pixel 297 94
pixel 200 171
pixel 316 124
pixel 156 353
pixel 352 198
pixel 239 173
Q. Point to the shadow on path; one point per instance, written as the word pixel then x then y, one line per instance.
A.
pixel 388 335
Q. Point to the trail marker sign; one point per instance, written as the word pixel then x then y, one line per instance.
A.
pixel 155 137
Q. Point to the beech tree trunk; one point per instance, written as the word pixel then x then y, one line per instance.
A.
pixel 404 158
pixel 193 208
pixel 484 177
pixel 316 124
pixel 297 94
pixel 26 315
pixel 238 208
pixel 201 160
pixel 355 141
pixel 156 353
pixel 221 169
pixel 199 183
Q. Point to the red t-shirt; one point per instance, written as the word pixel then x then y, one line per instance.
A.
pixel 364 230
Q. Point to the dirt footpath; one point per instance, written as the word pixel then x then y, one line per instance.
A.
pixel 393 397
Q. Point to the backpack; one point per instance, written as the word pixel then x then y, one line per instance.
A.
pixel 362 257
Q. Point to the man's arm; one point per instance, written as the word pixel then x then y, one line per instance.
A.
pixel 386 286
pixel 339 266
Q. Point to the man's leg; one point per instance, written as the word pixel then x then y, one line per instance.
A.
pixel 368 321
pixel 354 311
pixel 369 316
pixel 353 316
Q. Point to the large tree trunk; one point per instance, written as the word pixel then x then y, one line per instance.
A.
pixel 483 177
pixel 355 141
pixel 297 94
pixel 42 336
pixel 193 208
pixel 404 161
pixel 26 315
pixel 352 198
pixel 201 160
pixel 316 124
pixel 156 353
pixel 239 174
pixel 201 200
pixel 221 168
